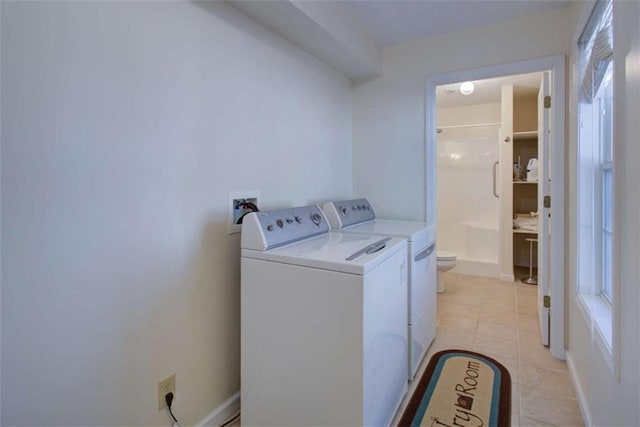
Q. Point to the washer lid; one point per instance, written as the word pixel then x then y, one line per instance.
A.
pixel 409 229
pixel 445 256
pixel 347 253
pixel 419 234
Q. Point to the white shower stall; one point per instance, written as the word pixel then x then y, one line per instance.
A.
pixel 468 204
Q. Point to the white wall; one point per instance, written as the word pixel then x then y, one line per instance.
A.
pixel 389 112
pixel 324 29
pixel 0 221
pixel 124 127
pixel 469 114
pixel 605 399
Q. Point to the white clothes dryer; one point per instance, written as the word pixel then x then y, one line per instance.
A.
pixel 323 322
pixel 359 217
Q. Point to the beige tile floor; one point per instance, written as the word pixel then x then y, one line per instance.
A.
pixel 499 319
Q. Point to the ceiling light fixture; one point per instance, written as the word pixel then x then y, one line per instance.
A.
pixel 467 88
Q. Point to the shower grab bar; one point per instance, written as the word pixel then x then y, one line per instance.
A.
pixel 495 190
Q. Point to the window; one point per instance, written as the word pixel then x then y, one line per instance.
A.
pixel 596 172
pixel 604 109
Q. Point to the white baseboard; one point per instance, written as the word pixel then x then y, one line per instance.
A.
pixel 476 268
pixel 583 403
pixel 507 278
pixel 222 413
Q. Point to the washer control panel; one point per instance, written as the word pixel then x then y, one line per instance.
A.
pixel 281 227
pixel 349 212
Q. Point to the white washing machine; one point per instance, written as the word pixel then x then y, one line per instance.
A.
pixel 358 216
pixel 323 322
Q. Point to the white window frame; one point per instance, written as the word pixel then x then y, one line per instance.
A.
pixel 595 305
pixel 606 165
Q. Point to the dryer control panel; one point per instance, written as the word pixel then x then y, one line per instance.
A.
pixel 349 212
pixel 270 229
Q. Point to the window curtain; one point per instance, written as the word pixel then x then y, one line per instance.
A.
pixel 595 47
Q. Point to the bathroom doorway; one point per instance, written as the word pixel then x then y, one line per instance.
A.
pixel 472 190
pixel 467 190
pixel 504 135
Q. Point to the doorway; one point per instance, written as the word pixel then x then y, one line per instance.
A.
pixel 554 252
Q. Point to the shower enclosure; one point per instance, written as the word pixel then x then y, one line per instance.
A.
pixel 468 204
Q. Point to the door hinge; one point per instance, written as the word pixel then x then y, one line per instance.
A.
pixel 547 202
pixel 546 302
pixel 547 101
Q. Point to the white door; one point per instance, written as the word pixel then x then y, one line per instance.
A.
pixel 544 212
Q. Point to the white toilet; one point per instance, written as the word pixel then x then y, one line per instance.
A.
pixel 446 261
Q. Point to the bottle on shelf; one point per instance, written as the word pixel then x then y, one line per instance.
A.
pixel 517 170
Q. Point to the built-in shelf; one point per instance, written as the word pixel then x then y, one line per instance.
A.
pixel 521 231
pixel 530 134
pixel 527 224
pixel 525 182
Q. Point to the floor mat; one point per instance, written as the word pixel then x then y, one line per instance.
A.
pixel 461 388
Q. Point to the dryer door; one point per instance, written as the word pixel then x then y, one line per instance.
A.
pixel 422 282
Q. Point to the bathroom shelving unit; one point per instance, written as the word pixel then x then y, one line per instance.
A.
pixel 525 193
pixel 518 198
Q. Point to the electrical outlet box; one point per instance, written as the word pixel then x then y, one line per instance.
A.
pixel 240 204
pixel 167 385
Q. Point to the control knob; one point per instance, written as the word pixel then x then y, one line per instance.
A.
pixel 270 227
pixel 280 223
pixel 316 218
pixel 298 220
pixel 343 210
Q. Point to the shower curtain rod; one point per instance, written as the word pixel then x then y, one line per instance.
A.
pixel 468 126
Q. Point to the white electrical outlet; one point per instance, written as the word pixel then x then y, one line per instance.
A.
pixel 167 385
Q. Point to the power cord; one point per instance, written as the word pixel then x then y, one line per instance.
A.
pixel 245 205
pixel 231 420
pixel 169 399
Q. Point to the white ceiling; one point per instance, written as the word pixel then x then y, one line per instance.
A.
pixel 487 91
pixel 397 21
pixel 348 34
